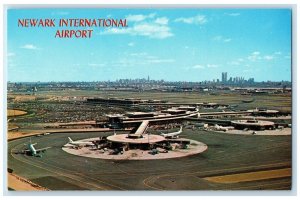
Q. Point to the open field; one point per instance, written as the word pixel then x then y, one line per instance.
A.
pixel 251 176
pixel 272 101
pixel 226 154
pixel 22 98
pixel 20 184
pixel 12 112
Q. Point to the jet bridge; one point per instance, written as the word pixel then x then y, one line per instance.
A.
pixel 140 130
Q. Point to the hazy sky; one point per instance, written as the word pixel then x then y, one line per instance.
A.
pixel 169 44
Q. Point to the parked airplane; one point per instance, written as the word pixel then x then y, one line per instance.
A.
pixel 223 128
pixel 173 134
pixel 80 144
pixel 33 151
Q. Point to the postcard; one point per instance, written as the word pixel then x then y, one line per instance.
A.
pixel 149 98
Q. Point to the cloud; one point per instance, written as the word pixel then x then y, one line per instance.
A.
pixel 212 66
pixel 161 60
pixel 233 14
pixel 153 30
pixel 131 44
pixel 139 54
pixel 200 66
pixel 148 29
pixel 268 57
pixel 29 46
pixel 254 56
pixel 138 18
pixel 220 38
pixel 162 20
pixel 198 20
pixel 278 53
pixel 144 25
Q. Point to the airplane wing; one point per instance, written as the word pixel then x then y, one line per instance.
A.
pixel 22 151
pixel 42 149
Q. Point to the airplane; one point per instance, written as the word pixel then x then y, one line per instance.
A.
pixel 80 144
pixel 173 134
pixel 33 151
pixel 222 128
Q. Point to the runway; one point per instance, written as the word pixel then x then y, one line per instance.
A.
pixel 226 154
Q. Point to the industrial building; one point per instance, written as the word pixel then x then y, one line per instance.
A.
pixel 139 139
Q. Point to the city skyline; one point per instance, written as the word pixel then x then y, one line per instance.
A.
pixel 170 44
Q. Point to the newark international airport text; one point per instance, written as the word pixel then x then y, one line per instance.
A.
pixel 73 23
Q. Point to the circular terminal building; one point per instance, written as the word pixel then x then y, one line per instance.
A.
pixel 253 124
pixel 134 141
pixel 138 140
pixel 138 145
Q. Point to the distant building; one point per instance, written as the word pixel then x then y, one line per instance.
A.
pixel 224 77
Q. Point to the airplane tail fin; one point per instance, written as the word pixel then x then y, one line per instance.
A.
pixel 70 140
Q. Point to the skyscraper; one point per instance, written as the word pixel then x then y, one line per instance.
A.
pixel 224 77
